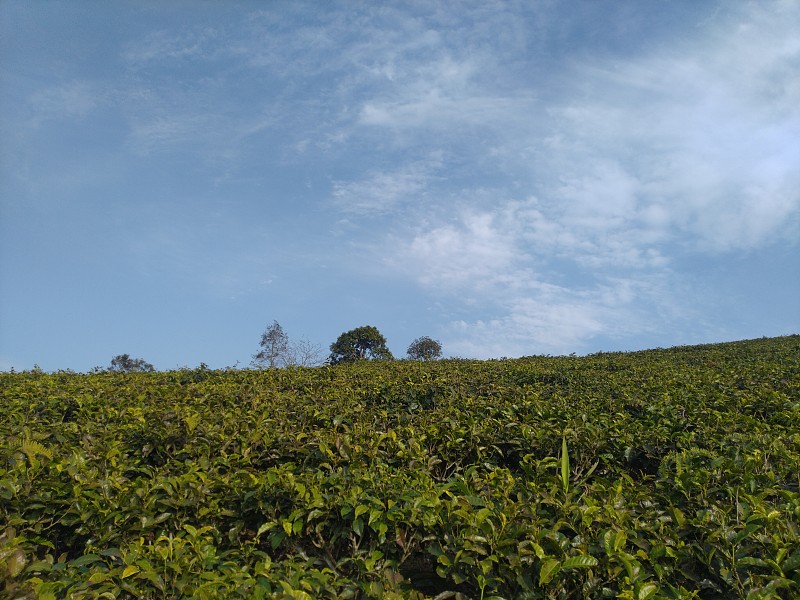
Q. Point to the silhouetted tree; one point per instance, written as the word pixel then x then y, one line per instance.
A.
pixel 274 346
pixel 358 344
pixel 123 363
pixel 424 348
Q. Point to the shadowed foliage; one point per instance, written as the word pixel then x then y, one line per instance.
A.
pixel 424 348
pixel 358 344
pixel 123 363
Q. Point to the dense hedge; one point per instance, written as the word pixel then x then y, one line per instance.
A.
pixel 659 474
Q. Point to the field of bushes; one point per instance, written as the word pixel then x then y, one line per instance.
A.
pixel 669 473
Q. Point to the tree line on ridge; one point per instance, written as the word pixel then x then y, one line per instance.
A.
pixel 278 351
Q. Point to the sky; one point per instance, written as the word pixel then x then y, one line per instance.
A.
pixel 510 178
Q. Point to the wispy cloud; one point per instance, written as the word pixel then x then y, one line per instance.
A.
pixel 164 46
pixel 688 148
pixel 553 319
pixel 509 261
pixel 545 179
pixel 699 133
pixel 206 133
pixel 381 192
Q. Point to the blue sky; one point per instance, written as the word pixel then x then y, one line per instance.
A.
pixel 511 178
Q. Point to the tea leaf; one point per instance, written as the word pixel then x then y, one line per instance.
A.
pixel 130 570
pixel 579 562
pixel 550 568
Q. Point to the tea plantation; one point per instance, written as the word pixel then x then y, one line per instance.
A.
pixel 658 474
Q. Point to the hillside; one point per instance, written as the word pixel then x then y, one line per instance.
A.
pixel 669 473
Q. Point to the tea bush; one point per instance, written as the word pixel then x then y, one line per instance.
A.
pixel 658 474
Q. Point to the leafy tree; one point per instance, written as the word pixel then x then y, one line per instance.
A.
pixel 123 363
pixel 360 343
pixel 424 348
pixel 274 347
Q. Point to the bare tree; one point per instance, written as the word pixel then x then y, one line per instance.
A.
pixel 304 353
pixel 277 351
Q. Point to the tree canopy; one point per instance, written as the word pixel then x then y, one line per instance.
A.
pixel 123 363
pixel 360 343
pixel 424 348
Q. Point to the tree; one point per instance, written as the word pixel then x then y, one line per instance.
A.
pixel 304 354
pixel 359 343
pixel 277 351
pixel 424 348
pixel 274 348
pixel 123 363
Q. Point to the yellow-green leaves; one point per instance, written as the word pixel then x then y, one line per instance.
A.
pixel 549 568
pixel 564 465
pixel 15 562
pixel 660 474
pixel 130 570
pixel 33 450
pixel 614 541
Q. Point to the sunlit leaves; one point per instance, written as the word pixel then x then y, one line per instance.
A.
pixel 661 474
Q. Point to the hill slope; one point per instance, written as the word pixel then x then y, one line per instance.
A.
pixel 658 474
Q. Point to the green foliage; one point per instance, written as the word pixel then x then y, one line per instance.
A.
pixel 123 363
pixel 357 344
pixel 652 475
pixel 424 348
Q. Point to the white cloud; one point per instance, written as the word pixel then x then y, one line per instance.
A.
pixel 551 319
pixel 607 172
pixel 444 91
pixel 381 192
pixel 471 254
pixel 507 261
pixel 556 190
pixel 698 140
pixel 528 327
